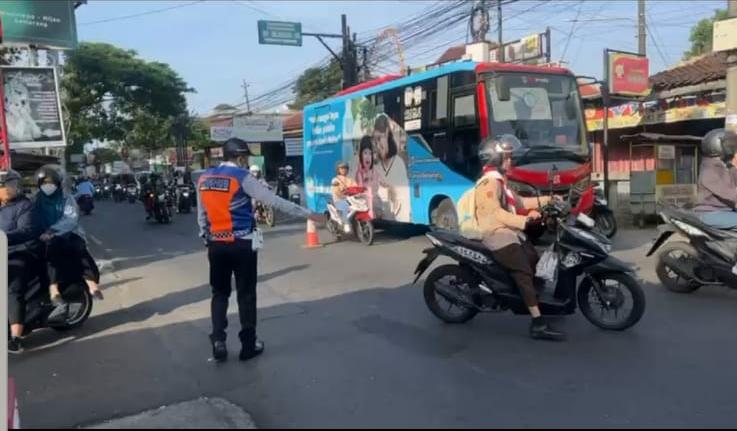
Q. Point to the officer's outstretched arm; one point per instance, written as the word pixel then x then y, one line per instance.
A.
pixel 263 194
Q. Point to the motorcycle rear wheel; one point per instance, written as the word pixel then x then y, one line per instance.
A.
pixel 80 305
pixel 671 279
pixel 613 301
pixel 439 305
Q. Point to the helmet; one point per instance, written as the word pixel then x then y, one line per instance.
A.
pixel 491 150
pixel 719 143
pixel 9 177
pixel 255 169
pixel 234 147
pixel 48 171
pixel 288 168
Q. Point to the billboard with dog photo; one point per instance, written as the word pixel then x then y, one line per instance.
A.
pixel 32 107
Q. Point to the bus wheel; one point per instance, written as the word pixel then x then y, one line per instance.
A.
pixel 444 216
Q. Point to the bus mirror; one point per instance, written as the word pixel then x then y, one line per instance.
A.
pixel 502 89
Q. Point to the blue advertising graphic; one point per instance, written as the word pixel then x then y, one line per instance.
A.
pixel 323 140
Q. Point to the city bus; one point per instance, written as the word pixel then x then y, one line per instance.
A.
pixel 412 141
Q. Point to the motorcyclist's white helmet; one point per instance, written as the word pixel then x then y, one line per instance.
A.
pixel 288 169
pixel 255 170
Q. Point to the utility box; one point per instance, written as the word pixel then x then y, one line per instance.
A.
pixel 479 51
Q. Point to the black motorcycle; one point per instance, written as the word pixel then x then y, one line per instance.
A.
pixel 162 204
pixel 604 218
pixel 184 204
pixel 131 191
pixel 704 256
pixel 85 204
pixel 40 312
pixel 608 294
pixel 118 193
pixel 98 191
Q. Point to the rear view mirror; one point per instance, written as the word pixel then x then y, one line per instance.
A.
pixel 501 84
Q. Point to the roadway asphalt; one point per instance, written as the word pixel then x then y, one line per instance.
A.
pixel 350 343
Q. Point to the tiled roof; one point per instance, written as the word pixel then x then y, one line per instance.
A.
pixel 293 122
pixel 706 68
pixel 452 54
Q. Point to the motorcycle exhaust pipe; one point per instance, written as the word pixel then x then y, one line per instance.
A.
pixel 454 297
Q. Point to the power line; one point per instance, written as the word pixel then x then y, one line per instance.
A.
pixel 573 29
pixel 136 15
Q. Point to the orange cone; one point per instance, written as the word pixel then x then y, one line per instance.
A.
pixel 313 240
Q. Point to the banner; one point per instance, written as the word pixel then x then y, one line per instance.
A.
pixel 250 128
pixel 635 114
pixel 529 49
pixel 46 23
pixel 627 74
pixel 32 107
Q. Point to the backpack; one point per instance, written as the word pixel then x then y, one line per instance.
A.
pixel 468 224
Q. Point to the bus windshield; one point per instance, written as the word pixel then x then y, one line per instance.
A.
pixel 542 111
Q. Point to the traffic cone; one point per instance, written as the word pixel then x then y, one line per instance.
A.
pixel 313 240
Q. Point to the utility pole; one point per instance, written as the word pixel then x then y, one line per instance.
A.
pixel 641 28
pixel 350 77
pixel 245 91
pixel 499 25
pixel 731 117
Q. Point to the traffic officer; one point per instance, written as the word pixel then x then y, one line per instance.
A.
pixel 225 218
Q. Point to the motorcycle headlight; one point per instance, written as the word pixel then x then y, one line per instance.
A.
pixel 586 220
pixel 433 240
pixel 571 259
pixel 185 194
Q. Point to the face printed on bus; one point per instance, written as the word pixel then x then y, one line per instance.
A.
pixel 366 158
pixel 381 142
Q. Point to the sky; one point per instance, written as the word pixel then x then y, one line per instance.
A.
pixel 214 46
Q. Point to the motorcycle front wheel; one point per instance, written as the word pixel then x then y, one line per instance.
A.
pixel 606 224
pixel 619 306
pixel 365 231
pixel 445 289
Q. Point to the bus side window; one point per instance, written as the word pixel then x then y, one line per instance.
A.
pixel 439 103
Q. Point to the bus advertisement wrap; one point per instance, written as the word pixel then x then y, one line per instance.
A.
pixel 412 142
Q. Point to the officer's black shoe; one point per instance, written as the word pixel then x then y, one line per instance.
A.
pixel 15 345
pixel 257 349
pixel 540 330
pixel 219 351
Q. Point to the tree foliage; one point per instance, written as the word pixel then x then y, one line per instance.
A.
pixel 112 94
pixel 701 34
pixel 317 83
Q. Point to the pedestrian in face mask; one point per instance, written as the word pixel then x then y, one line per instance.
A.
pixel 66 247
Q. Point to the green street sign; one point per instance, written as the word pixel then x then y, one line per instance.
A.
pixel 46 23
pixel 279 33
